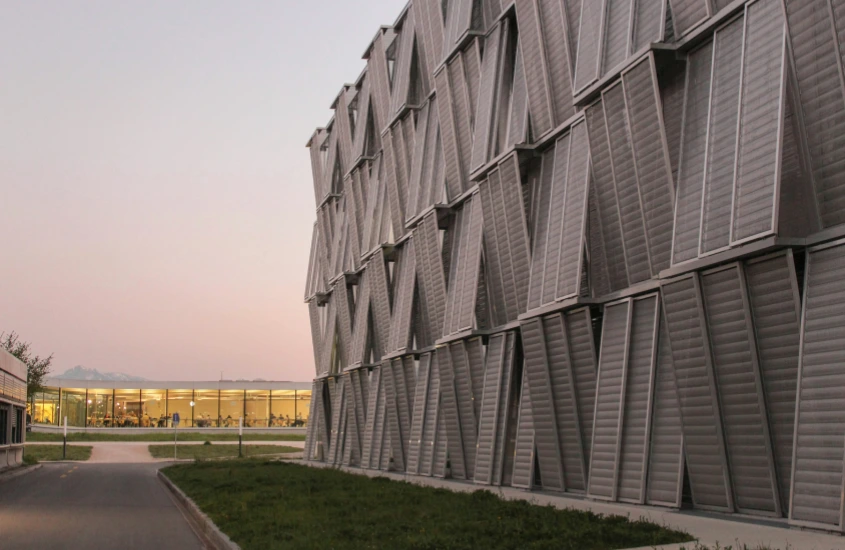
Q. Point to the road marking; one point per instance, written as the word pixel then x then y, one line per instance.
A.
pixel 63 475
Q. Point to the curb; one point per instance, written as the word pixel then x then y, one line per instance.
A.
pixel 18 472
pixel 215 536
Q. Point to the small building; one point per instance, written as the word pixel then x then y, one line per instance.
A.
pixel 12 409
pixel 120 404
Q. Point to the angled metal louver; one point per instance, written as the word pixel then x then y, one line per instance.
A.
pixel 393 413
pixel 415 442
pixel 465 264
pixel 523 462
pixel 666 446
pixel 488 419
pixel 692 364
pixel 686 14
pixel 776 310
pixel 451 414
pixel 310 435
pixel 587 61
pixel 817 464
pixel 482 143
pixel 404 274
pixel 741 396
pixel 430 414
pixel 370 453
pixel 610 401
pixel 431 285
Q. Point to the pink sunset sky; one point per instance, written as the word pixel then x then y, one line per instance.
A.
pixel 156 203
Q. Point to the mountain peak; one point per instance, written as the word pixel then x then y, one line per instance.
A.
pixel 80 372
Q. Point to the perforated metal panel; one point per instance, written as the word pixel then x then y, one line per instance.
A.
pixel 589 36
pixel 610 397
pixel 617 33
pixel 740 391
pixel 393 414
pixel 703 439
pixel 523 463
pixel 418 419
pixel 451 420
pixel 687 14
pixel 817 463
pixel 431 416
pixel 776 310
pixel 574 223
pixel 692 155
pixel 488 419
pixel 481 144
pixel 761 117
pixel 666 453
pixel 535 65
pixel 544 422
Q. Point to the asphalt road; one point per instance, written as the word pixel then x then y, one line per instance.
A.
pixel 91 506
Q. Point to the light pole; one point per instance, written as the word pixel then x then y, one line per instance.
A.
pixel 175 432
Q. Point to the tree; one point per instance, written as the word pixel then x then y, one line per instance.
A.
pixel 36 368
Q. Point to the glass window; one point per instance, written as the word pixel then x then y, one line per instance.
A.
pixel 257 408
pixel 206 408
pixel 231 407
pixel 153 409
pixel 303 407
pixel 127 408
pixel 46 407
pixel 283 408
pixel 101 408
pixel 73 406
pixel 4 424
pixel 179 401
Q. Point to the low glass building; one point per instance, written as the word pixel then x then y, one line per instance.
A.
pixel 110 404
pixel 12 410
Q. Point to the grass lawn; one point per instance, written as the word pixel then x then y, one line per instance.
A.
pixel 42 453
pixel 218 451
pixel 263 504
pixel 164 435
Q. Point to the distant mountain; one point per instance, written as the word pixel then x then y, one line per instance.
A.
pixel 82 373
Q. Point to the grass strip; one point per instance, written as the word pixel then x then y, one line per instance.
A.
pixel 218 451
pixel 270 504
pixel 164 435
pixel 46 453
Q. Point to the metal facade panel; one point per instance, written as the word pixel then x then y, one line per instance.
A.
pixel 392 410
pixel 574 223
pixel 316 334
pixel 776 310
pixel 672 87
pixel 360 409
pixel 761 119
pixel 544 422
pixel 451 415
pixel 340 297
pixel 692 155
pixel 449 134
pixel 431 415
pixel 610 397
pixel 617 33
pixel 361 323
pixel 550 262
pixel 817 459
pixel 471 256
pixel 607 209
pixel 392 184
pixel 484 123
pixel 535 65
pixel 432 282
pixel 557 57
pixel 403 297
pixel 720 163
pixel 310 434
pixel 502 464
pixel 463 364
pixel 818 66
pixel 626 186
pixel 404 405
pixel 463 113
pixel 422 147
pixel 740 392
pixel 648 23
pixel 518 125
pixel 324 421
pixel 380 293
pixel 589 44
pixel 639 383
pixel 651 159
pixel 516 252
pixel 541 221
pixel 336 435
pixel 666 453
pixel 582 353
pixel 368 452
pixel 686 14
pixel 430 21
pixel 523 462
pixel 703 439
pixel 572 446
pixel 493 214
pixel 490 403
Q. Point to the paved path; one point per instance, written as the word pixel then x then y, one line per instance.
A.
pixel 104 506
pixel 135 452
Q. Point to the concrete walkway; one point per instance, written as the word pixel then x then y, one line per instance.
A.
pixel 66 506
pixel 135 452
pixel 709 528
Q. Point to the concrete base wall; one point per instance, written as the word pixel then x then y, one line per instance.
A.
pixel 11 456
pixel 42 428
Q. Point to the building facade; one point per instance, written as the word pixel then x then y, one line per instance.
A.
pixel 12 410
pixel 593 247
pixel 119 404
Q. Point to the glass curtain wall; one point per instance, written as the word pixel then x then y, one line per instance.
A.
pixel 283 411
pixel 101 408
pixel 127 408
pixel 179 401
pixel 257 408
pixel 73 406
pixel 153 408
pixel 206 410
pixel 231 407
pixel 303 407
pixel 45 407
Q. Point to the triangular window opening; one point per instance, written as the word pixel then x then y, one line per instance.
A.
pixel 371 145
pixel 416 93
pixel 352 112
pixel 390 54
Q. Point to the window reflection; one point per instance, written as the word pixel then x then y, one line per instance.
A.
pixel 179 401
pixel 206 408
pixel 231 407
pixel 257 408
pixel 153 408
pixel 73 407
pixel 101 408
